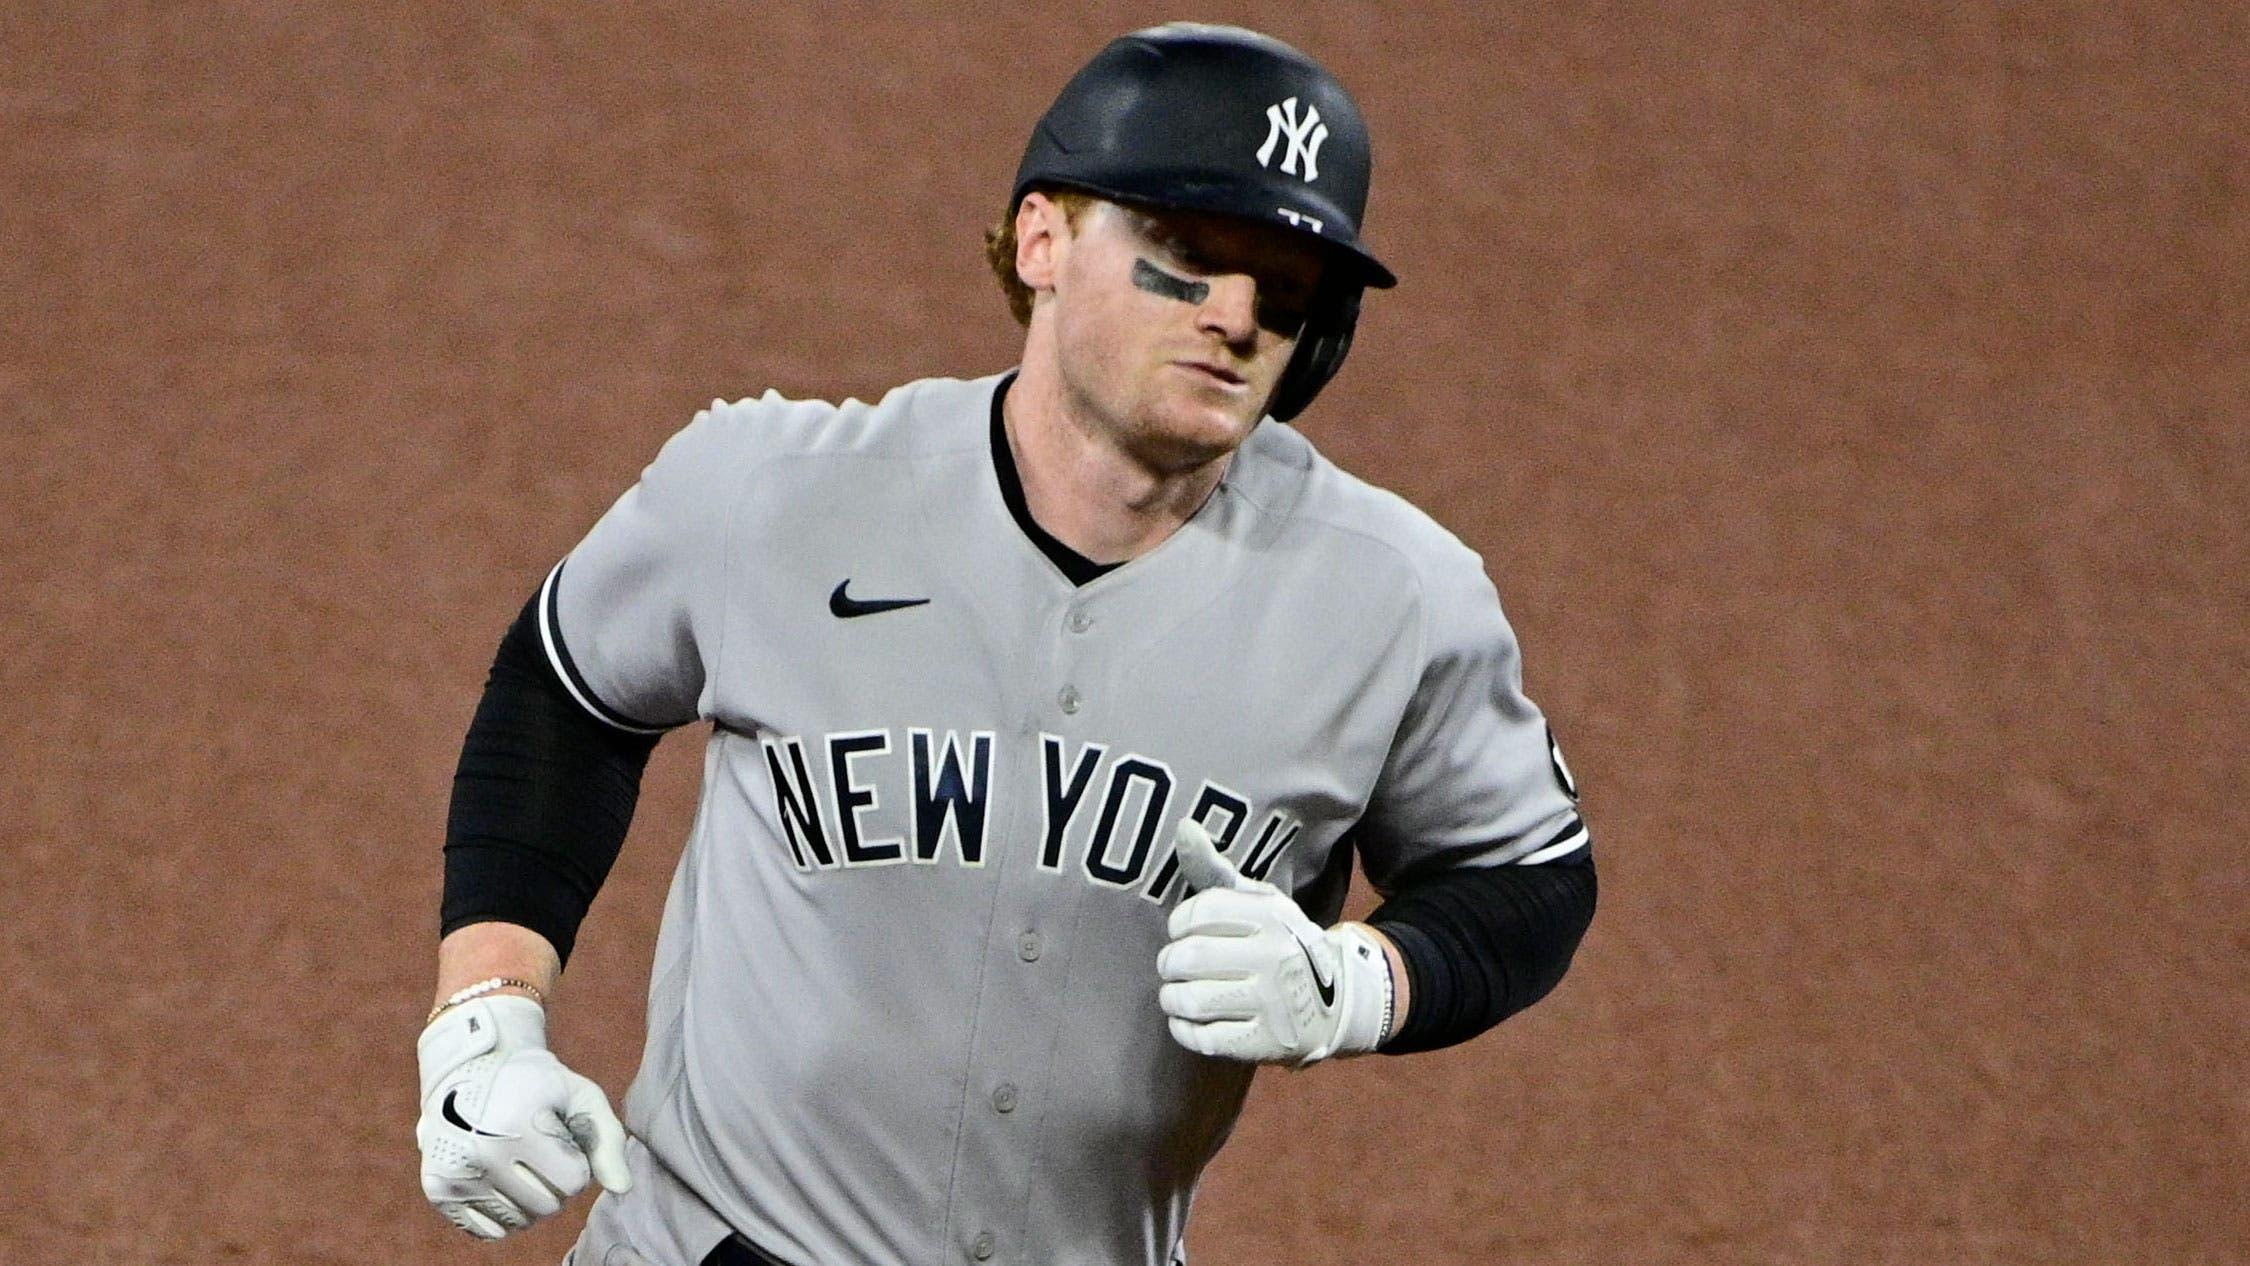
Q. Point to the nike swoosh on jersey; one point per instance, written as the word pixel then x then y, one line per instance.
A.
pixel 844 607
pixel 452 1116
pixel 1325 988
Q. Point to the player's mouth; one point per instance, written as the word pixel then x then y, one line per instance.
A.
pixel 1218 375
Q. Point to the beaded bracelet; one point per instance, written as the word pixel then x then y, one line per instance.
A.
pixel 480 989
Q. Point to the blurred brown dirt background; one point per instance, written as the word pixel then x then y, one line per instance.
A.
pixel 1850 401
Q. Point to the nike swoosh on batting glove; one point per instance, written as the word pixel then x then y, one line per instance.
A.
pixel 507 1133
pixel 1249 977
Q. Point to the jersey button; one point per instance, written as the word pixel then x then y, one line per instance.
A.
pixel 1079 622
pixel 1068 700
pixel 1004 1097
pixel 1027 947
pixel 982 1248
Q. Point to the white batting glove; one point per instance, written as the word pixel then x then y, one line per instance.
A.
pixel 507 1132
pixel 1251 978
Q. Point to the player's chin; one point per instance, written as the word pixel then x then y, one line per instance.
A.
pixel 1183 439
pixel 1208 419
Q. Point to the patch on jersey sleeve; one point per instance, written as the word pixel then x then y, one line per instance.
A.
pixel 1563 779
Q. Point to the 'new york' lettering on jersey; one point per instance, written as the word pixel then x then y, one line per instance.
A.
pixel 941 802
pixel 933 852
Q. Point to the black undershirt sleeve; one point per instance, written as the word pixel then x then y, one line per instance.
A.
pixel 1481 944
pixel 541 799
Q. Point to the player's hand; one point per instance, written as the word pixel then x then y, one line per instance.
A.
pixel 1251 978
pixel 507 1132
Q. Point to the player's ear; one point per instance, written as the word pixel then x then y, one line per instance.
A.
pixel 1041 228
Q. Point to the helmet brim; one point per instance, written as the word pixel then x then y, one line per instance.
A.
pixel 1192 191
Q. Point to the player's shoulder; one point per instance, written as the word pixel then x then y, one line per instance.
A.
pixel 919 418
pixel 1313 498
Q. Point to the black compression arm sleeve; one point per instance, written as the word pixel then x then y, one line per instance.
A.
pixel 541 800
pixel 1482 944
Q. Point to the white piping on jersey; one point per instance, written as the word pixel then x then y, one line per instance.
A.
pixel 1560 848
pixel 562 674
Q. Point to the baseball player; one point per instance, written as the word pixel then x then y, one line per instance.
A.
pixel 1046 712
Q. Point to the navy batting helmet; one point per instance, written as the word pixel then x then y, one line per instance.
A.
pixel 1220 119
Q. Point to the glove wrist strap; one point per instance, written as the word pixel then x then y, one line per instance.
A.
pixel 1372 994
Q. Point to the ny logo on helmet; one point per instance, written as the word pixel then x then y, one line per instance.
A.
pixel 1304 137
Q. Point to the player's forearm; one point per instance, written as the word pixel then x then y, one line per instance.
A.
pixel 1480 945
pixel 490 951
pixel 542 800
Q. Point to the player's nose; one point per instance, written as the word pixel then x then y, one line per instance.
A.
pixel 1231 309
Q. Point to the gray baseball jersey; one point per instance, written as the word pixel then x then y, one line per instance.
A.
pixel 904 1001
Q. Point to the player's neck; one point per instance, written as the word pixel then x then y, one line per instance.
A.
pixel 1082 487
